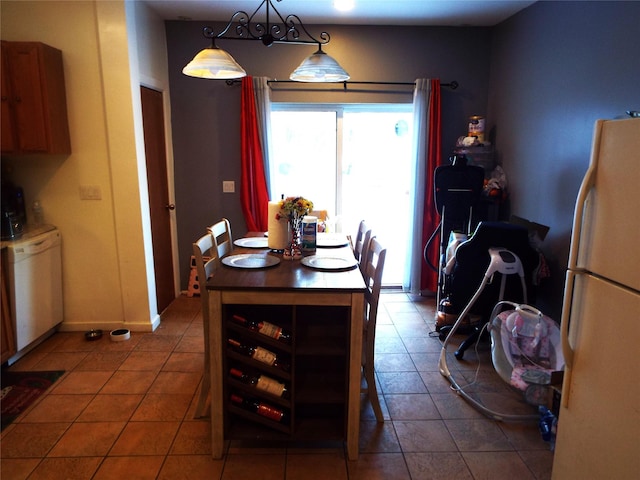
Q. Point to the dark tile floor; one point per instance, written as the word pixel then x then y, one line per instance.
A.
pixel 125 410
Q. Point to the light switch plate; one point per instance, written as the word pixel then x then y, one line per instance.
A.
pixel 228 186
pixel 90 192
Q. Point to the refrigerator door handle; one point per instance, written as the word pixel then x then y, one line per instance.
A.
pixel 567 349
pixel 585 188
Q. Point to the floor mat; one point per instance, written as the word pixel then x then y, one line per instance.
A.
pixel 21 389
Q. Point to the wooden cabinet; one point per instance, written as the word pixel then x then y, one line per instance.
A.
pixel 34 104
pixel 7 338
pixel 316 360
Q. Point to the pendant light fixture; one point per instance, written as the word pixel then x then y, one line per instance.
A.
pixel 319 67
pixel 215 63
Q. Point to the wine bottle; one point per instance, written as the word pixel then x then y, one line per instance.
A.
pixel 261 382
pixel 260 408
pixel 258 353
pixel 265 328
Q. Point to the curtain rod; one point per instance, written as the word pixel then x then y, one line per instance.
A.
pixel 453 85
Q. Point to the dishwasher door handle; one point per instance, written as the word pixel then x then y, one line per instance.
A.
pixel 35 248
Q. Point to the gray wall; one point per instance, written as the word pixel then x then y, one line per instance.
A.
pixel 556 67
pixel 541 78
pixel 205 113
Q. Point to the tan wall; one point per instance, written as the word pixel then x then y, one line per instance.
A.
pixel 106 243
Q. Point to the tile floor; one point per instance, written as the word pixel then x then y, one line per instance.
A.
pixel 125 410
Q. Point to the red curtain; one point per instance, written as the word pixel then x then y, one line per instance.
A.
pixel 254 195
pixel 429 278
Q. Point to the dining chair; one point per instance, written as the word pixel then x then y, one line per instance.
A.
pixel 372 272
pixel 206 260
pixel 361 237
pixel 321 214
pixel 222 238
pixel 366 244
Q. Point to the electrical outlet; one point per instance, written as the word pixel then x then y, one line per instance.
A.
pixel 228 186
pixel 90 192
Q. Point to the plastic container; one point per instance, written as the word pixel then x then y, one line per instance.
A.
pixel 309 233
pixel 476 127
pixel 38 214
pixel 120 335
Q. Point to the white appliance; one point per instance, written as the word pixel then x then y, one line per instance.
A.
pixel 598 433
pixel 35 286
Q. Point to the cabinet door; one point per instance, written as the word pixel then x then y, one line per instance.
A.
pixel 36 96
pixel 9 142
pixel 26 87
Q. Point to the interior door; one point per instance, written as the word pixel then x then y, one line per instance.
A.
pixel 159 202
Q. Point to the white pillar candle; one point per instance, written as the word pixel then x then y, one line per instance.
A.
pixel 278 229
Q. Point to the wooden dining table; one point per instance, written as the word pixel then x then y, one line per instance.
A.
pixel 283 282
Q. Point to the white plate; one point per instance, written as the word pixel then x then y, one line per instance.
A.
pixel 322 262
pixel 252 242
pixel 250 261
pixel 331 240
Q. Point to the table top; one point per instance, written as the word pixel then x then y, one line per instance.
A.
pixel 288 274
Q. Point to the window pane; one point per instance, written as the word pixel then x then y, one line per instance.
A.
pixel 370 146
pixel 376 178
pixel 303 157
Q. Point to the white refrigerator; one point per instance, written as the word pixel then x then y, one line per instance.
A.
pixel 598 433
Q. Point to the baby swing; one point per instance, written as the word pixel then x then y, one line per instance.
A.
pixel 525 344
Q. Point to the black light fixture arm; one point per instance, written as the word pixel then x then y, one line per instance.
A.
pixel 288 30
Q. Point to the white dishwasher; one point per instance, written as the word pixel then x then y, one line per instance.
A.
pixel 34 267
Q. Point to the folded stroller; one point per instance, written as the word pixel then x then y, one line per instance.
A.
pixel 466 267
pixel 457 189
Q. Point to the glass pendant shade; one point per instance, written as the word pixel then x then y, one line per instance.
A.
pixel 214 63
pixel 319 67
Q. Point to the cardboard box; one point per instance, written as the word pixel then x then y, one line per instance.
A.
pixel 537 231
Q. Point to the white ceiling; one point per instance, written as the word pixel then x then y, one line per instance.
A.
pixel 365 12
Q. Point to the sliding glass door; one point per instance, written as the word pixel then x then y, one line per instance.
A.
pixel 352 160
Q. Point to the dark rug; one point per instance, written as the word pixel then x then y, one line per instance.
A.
pixel 20 389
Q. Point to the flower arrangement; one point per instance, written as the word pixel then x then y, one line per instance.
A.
pixel 294 209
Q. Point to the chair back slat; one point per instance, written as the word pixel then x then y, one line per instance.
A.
pixel 222 238
pixel 372 272
pixel 361 238
pixel 206 259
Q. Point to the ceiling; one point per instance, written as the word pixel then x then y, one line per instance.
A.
pixel 365 12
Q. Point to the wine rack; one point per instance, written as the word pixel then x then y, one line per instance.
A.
pixel 316 381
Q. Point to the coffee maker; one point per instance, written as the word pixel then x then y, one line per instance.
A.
pixel 14 215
